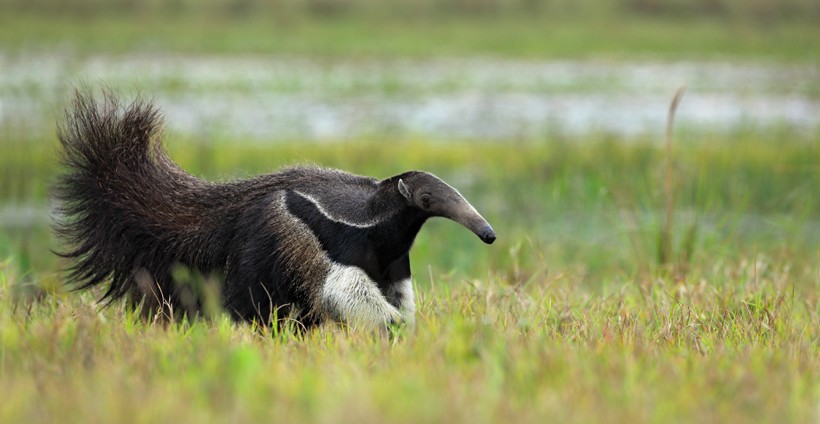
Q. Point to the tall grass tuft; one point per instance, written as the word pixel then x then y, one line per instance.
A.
pixel 665 238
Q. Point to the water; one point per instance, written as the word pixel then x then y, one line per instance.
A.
pixel 276 97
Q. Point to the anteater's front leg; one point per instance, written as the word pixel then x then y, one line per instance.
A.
pixel 349 295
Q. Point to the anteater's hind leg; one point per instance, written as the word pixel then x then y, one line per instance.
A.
pixel 159 297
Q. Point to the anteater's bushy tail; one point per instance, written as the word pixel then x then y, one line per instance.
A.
pixel 123 204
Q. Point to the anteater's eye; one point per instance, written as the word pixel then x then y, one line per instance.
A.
pixel 425 200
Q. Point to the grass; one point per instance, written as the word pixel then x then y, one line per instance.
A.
pixel 568 317
pixel 737 341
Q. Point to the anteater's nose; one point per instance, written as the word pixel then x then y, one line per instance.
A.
pixel 487 235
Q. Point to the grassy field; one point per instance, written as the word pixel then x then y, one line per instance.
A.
pixel 575 314
pixel 735 341
pixel 569 316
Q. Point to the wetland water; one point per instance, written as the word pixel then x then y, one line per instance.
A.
pixel 265 98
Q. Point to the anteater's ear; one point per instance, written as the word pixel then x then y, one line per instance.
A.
pixel 404 190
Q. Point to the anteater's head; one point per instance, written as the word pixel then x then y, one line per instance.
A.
pixel 434 197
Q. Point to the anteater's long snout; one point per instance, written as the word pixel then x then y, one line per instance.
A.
pixel 467 216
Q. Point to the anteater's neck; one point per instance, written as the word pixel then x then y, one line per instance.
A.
pixel 393 237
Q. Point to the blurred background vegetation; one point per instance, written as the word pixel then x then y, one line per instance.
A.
pixel 589 199
pixel 751 10
pixel 635 278
pixel 778 28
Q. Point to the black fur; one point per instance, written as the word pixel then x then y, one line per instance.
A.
pixel 130 215
pixel 377 249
